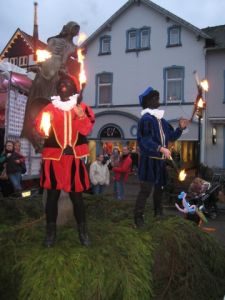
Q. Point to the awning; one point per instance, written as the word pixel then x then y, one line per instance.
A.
pixel 21 81
pixel 18 76
pixel 217 120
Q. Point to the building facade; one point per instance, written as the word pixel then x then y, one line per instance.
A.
pixel 143 45
pixel 215 98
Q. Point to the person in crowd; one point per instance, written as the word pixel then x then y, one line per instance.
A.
pixel 17 149
pixel 122 172
pixel 99 174
pixel 154 134
pixel 115 157
pixel 134 157
pixel 65 124
pixel 14 166
pixel 5 184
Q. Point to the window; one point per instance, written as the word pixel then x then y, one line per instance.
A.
pixel 23 61
pixel 105 45
pixel 104 89
pixel 144 38
pixel 132 40
pixel 174 36
pixel 174 84
pixel 14 60
pixel 138 39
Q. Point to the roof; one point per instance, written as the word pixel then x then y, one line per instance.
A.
pixel 217 33
pixel 26 37
pixel 153 6
pixel 30 39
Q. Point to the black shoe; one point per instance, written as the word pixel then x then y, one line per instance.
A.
pixel 139 220
pixel 83 236
pixel 50 235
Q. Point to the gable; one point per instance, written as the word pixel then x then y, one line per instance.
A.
pixel 18 47
pixel 20 44
pixel 149 5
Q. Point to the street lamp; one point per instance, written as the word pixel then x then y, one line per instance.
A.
pixel 200 106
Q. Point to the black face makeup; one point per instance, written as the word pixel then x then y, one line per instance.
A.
pixel 65 89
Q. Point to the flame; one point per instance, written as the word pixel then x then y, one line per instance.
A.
pixel 82 75
pixel 201 103
pixel 42 55
pixel 204 84
pixel 81 38
pixel 182 175
pixel 45 123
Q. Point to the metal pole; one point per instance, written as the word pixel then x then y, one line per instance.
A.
pixel 199 146
pixel 7 108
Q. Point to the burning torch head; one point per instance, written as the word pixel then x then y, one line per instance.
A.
pixel 149 99
pixel 66 87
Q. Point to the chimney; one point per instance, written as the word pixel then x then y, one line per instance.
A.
pixel 35 32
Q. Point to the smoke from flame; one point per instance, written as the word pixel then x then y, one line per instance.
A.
pixel 81 38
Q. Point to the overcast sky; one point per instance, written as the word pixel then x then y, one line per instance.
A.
pixel 90 14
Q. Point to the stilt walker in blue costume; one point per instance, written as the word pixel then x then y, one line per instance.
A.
pixel 154 134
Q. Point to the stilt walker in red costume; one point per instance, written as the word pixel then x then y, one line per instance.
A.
pixel 65 124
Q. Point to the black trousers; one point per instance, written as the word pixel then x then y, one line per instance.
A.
pixel 145 191
pixel 51 208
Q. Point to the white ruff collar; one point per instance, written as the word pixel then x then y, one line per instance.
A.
pixel 64 105
pixel 154 112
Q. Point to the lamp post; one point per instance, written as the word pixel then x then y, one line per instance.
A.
pixel 200 106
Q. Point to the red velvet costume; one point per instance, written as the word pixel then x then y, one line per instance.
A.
pixel 63 170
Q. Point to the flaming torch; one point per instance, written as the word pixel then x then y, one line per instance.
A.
pixel 181 174
pixel 201 86
pixel 43 55
pixel 199 107
pixel 80 57
pixel 45 123
pixel 82 75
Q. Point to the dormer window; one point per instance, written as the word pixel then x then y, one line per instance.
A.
pixel 105 45
pixel 174 36
pixel 138 39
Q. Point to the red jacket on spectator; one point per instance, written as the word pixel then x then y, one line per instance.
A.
pixel 124 168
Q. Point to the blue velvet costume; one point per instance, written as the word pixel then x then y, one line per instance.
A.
pixel 151 167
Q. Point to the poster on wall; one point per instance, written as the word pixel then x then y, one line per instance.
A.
pixel 16 110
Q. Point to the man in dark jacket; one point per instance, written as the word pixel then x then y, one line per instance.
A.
pixel 153 136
